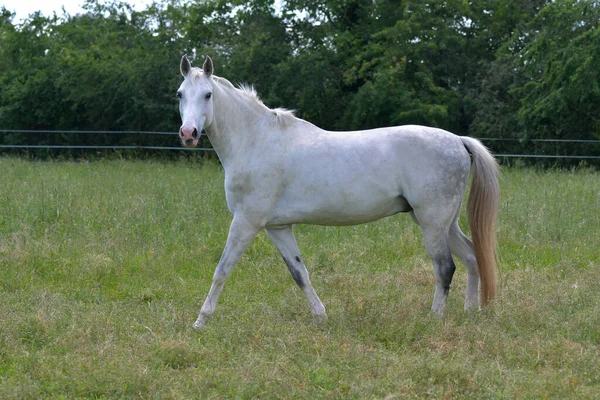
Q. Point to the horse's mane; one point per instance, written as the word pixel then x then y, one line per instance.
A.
pixel 283 116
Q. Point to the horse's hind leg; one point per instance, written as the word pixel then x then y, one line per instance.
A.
pixel 435 234
pixel 462 247
pixel 284 241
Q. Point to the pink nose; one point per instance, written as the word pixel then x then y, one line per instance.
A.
pixel 188 134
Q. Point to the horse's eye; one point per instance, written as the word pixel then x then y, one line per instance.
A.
pixel 208 96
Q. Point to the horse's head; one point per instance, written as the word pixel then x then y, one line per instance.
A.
pixel 195 100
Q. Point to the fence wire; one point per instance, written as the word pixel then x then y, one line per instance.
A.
pixel 142 147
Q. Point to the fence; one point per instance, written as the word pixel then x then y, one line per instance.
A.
pixel 94 147
pixel 556 156
pixel 488 141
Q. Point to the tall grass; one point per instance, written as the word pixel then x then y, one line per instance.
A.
pixel 104 266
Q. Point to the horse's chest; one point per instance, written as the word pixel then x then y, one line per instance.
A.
pixel 238 184
pixel 257 190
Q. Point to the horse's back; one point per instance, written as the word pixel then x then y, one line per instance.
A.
pixel 393 157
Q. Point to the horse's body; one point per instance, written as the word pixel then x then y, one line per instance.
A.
pixel 281 170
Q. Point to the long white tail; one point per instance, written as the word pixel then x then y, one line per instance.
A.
pixel 482 212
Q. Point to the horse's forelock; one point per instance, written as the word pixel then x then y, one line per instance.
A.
pixel 196 73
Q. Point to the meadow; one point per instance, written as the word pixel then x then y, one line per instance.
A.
pixel 104 266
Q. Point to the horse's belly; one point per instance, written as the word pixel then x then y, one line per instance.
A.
pixel 342 209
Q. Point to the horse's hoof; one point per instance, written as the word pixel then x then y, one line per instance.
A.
pixel 439 312
pixel 200 323
pixel 320 318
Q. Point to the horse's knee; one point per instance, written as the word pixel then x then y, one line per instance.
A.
pixel 220 276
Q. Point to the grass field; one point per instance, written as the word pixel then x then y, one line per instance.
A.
pixel 104 266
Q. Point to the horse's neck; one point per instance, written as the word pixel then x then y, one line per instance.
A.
pixel 235 127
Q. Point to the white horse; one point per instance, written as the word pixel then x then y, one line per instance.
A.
pixel 281 170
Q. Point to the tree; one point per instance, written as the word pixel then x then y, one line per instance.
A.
pixel 544 81
pixel 561 98
pixel 504 31
pixel 107 69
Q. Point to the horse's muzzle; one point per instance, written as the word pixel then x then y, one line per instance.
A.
pixel 189 136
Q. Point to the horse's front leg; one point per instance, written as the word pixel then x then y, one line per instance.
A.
pixel 241 233
pixel 284 241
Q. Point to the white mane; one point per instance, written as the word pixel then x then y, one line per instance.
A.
pixel 283 116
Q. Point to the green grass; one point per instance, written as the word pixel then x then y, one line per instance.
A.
pixel 105 265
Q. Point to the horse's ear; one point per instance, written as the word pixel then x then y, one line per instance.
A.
pixel 185 66
pixel 208 67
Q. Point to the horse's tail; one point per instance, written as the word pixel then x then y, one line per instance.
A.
pixel 482 212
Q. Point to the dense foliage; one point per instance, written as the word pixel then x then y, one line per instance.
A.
pixel 516 69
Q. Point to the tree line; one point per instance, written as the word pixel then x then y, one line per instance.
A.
pixel 510 69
